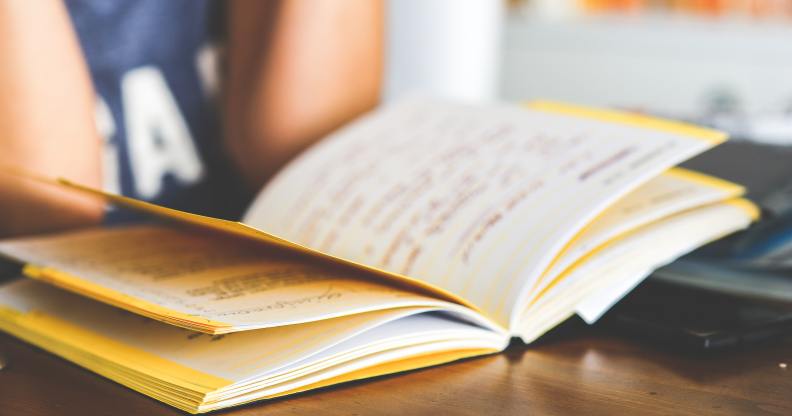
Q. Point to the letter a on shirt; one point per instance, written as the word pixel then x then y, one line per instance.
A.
pixel 160 143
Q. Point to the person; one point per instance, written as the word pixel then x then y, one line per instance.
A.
pixel 124 95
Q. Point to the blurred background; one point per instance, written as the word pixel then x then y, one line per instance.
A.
pixel 724 63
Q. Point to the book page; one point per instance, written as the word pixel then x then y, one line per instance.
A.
pixel 198 371
pixel 475 200
pixel 202 281
pixel 670 193
pixel 233 357
pixel 631 255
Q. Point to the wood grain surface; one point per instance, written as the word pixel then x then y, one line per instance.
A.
pixel 576 372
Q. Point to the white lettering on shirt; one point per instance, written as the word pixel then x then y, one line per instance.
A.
pixel 106 127
pixel 159 141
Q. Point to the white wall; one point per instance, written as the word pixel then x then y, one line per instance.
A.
pixel 663 64
pixel 445 48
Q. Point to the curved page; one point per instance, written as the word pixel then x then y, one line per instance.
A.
pixel 670 193
pixel 203 281
pixel 632 254
pixel 476 200
pixel 198 372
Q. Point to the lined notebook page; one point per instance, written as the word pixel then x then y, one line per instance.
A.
pixel 476 200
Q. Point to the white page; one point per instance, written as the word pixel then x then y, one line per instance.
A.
pixel 671 192
pixel 595 305
pixel 621 260
pixel 476 200
pixel 409 330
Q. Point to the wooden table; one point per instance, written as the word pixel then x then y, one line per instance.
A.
pixel 579 371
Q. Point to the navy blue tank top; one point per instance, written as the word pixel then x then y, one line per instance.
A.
pixel 153 65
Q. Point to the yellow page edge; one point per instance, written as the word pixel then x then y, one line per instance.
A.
pixel 747 206
pixel 36 322
pixel 131 378
pixel 632 119
pixel 707 180
pixel 118 299
pixel 387 368
pixel 33 327
pixel 544 323
pixel 731 189
pixel 750 208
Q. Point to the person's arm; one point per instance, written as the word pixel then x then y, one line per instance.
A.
pixel 46 119
pixel 297 70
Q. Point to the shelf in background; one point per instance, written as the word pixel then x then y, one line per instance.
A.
pixel 667 64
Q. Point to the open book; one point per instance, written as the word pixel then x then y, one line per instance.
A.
pixel 422 233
